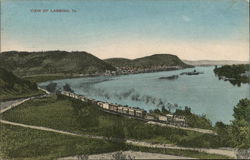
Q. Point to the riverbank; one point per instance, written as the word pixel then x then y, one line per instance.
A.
pixel 165 149
pixel 164 120
pixel 72 115
pixel 49 77
pixel 147 92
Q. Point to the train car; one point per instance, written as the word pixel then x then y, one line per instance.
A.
pixel 105 106
pixel 100 104
pixel 140 113
pixel 82 98
pixel 65 93
pixel 113 107
pixel 125 110
pixel 179 122
pixel 169 118
pixel 120 109
pixel 131 111
pixel 150 117
pixel 163 118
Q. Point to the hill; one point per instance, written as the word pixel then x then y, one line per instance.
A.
pixel 119 62
pixel 148 61
pixel 52 62
pixel 213 62
pixel 12 86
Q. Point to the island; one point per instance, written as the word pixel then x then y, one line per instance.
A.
pixel 191 73
pixel 173 77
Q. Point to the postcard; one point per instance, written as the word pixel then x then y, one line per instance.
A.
pixel 124 79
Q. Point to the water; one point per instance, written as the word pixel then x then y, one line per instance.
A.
pixel 204 93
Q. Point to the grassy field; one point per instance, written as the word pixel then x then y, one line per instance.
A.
pixel 183 153
pixel 67 114
pixel 43 78
pixel 10 95
pixel 23 143
pixel 13 87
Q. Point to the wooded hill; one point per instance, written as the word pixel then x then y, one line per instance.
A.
pixel 12 86
pixel 52 62
pixel 51 65
pixel 148 61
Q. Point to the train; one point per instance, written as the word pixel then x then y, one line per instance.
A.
pixel 132 111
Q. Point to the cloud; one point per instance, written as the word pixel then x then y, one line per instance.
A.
pixel 186 18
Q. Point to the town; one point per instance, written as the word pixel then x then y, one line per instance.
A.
pixel 135 70
pixel 132 112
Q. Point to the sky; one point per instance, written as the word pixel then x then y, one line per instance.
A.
pixel 190 29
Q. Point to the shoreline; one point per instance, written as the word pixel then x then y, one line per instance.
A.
pixel 59 76
pixel 160 120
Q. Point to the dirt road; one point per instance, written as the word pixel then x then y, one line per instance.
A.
pixel 226 152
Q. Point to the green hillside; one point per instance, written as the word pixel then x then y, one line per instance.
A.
pixel 13 87
pixel 52 62
pixel 119 62
pixel 148 61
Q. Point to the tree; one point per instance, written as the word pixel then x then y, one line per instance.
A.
pixel 164 110
pixel 51 87
pixel 239 131
pixel 223 133
pixel 242 110
pixel 67 87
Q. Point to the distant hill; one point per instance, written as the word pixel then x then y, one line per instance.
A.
pixel 52 62
pixel 148 61
pixel 12 86
pixel 119 62
pixel 213 62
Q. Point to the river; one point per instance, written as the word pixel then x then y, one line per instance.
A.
pixel 204 93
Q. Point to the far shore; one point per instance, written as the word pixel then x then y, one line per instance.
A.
pixel 39 78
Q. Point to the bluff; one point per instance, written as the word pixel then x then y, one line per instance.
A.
pixel 12 86
pixel 148 61
pixel 52 62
